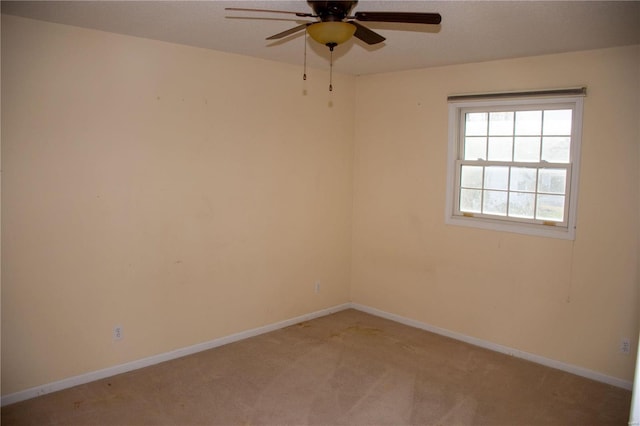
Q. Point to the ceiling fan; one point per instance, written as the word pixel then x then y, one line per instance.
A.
pixel 335 25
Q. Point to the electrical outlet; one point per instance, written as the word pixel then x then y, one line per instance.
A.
pixel 625 346
pixel 117 332
pixel 317 287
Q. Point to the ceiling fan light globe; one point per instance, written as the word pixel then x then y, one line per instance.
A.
pixel 331 33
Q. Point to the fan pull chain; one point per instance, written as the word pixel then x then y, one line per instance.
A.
pixel 304 75
pixel 331 70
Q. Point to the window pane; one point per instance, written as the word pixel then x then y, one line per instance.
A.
pixel 496 177
pixel 470 200
pixel 495 202
pixel 527 149
pixel 471 177
pixel 500 149
pixel 475 148
pixel 550 207
pixel 552 181
pixel 501 123
pixel 557 122
pixel 476 124
pixel 528 122
pixel 523 179
pixel 521 205
pixel 556 150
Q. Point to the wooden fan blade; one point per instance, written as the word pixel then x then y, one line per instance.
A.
pixel 301 14
pixel 366 35
pixel 288 32
pixel 402 17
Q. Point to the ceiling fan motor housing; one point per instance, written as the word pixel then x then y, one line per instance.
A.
pixel 332 11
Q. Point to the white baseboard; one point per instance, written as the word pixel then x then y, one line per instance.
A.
pixel 156 359
pixel 178 353
pixel 569 368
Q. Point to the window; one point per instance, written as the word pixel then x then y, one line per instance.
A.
pixel 513 163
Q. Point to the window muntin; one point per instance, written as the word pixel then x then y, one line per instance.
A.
pixel 514 162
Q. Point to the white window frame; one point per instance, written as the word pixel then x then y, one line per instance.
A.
pixel 522 101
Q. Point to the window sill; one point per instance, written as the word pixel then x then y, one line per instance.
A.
pixel 559 232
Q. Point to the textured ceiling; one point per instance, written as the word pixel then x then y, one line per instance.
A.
pixel 470 31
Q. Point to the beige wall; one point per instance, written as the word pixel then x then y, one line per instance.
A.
pixel 181 193
pixel 187 194
pixel 570 301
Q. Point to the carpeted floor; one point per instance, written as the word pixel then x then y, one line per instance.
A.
pixel 349 368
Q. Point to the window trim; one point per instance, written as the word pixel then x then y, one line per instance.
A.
pixel 496 102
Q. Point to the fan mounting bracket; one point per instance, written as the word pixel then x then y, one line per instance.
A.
pixel 332 11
